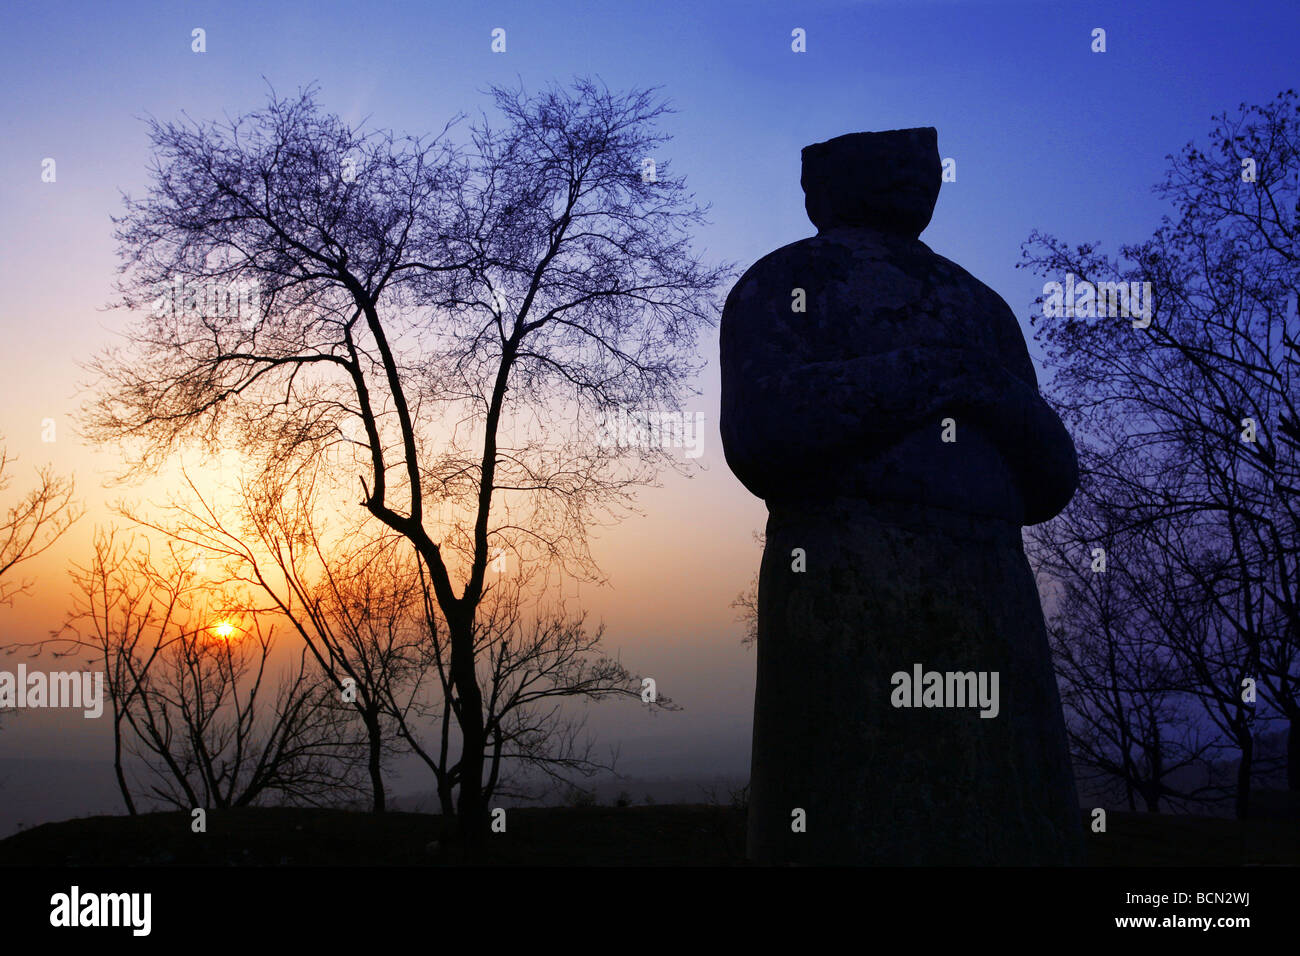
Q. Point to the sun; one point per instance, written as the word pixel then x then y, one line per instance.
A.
pixel 224 630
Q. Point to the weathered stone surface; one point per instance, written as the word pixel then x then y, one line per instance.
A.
pixel 833 416
pixel 894 339
pixel 887 181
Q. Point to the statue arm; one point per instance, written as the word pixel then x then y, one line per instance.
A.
pixel 780 420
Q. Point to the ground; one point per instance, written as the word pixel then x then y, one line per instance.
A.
pixel 602 836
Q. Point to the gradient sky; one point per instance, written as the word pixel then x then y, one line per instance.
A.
pixel 1046 135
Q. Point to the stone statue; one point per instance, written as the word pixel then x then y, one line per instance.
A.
pixel 881 400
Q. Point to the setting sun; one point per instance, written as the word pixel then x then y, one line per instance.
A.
pixel 225 630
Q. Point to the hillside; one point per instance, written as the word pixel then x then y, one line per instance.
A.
pixel 602 836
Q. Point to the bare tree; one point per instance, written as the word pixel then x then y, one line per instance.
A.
pixel 123 617
pixel 446 312
pixel 1122 687
pixel 366 615
pixel 192 691
pixel 537 659
pixel 1193 415
pixel 356 600
pixel 31 525
pixel 217 730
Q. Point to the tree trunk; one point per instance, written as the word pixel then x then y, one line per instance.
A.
pixel 376 768
pixel 1156 768
pixel 117 769
pixel 1247 744
pixel 445 798
pixel 1130 775
pixel 1151 797
pixel 471 805
pixel 1293 754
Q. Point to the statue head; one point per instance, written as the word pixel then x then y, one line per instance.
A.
pixel 887 181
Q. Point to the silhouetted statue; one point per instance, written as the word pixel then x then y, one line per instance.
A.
pixel 882 402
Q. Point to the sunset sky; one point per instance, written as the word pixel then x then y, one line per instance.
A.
pixel 1046 135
